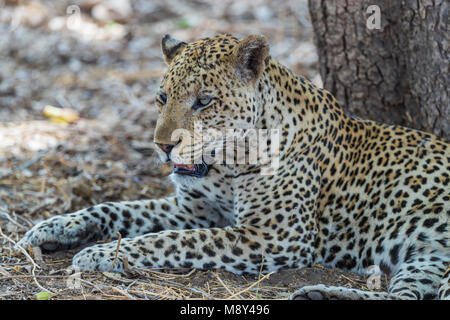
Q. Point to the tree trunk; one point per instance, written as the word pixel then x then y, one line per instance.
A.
pixel 397 74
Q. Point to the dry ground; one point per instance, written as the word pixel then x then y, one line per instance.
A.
pixel 107 68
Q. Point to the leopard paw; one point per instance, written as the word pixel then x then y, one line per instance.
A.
pixel 99 257
pixel 323 292
pixel 61 232
pixel 318 292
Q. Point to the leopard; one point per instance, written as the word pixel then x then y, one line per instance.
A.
pixel 347 193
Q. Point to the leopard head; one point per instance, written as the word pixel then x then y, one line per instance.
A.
pixel 210 84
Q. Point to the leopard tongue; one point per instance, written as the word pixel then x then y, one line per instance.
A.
pixel 184 166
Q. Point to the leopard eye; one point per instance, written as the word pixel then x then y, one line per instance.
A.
pixel 162 98
pixel 202 102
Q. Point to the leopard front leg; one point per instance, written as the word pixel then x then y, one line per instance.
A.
pixel 104 221
pixel 235 249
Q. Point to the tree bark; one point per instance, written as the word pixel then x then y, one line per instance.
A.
pixel 398 74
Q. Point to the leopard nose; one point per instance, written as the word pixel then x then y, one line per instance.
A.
pixel 165 147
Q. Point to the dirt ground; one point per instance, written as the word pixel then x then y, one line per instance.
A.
pixel 105 64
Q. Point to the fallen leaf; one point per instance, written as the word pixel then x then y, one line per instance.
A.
pixel 42 296
pixel 61 115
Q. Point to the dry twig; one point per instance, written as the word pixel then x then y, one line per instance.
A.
pixel 35 266
pixel 224 285
pixel 251 286
pixel 117 249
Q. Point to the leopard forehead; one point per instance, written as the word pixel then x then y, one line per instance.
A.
pixel 197 60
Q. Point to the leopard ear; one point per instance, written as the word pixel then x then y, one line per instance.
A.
pixel 249 56
pixel 171 47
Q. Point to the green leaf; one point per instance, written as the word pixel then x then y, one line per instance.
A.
pixel 183 23
pixel 42 296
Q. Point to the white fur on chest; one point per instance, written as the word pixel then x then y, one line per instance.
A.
pixel 219 199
